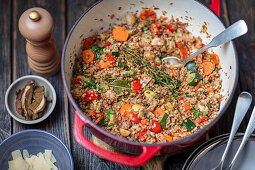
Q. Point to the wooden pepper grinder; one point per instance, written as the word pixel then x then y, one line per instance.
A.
pixel 36 25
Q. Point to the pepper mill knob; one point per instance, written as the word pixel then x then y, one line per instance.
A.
pixel 36 26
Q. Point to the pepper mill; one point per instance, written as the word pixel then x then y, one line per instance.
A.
pixel 36 26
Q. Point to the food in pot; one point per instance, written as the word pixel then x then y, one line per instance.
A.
pixel 120 82
pixel 31 101
pixel 41 161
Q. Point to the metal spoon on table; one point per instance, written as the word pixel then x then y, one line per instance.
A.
pixel 237 29
pixel 248 132
pixel 242 105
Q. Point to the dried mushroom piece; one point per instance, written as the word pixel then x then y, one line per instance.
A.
pixel 24 97
pixel 38 104
pixel 30 101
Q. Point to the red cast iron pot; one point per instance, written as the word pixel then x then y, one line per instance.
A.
pixel 97 17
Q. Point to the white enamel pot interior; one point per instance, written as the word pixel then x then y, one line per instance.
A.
pixel 97 17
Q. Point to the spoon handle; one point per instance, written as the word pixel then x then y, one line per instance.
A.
pixel 248 132
pixel 237 29
pixel 243 103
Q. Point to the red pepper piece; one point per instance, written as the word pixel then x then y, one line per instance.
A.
pixel 135 118
pixel 88 42
pixel 111 58
pixel 184 50
pixel 202 119
pixel 137 85
pixel 169 28
pixel 142 134
pixel 107 44
pixel 90 95
pixel 156 127
pixel 78 81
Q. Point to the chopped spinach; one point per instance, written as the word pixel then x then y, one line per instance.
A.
pixel 115 53
pixel 162 122
pixel 109 113
pixel 205 93
pixel 195 112
pixel 208 105
pixel 127 68
pixel 111 124
pixel 121 64
pixel 102 122
pixel 98 51
pixel 114 41
pixel 88 104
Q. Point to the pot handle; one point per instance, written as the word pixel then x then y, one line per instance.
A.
pixel 147 153
pixel 215 6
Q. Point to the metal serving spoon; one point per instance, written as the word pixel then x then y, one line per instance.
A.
pixel 248 132
pixel 235 30
pixel 242 105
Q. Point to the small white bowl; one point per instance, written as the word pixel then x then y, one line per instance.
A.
pixel 10 97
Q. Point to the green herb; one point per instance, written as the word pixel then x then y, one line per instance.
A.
pixel 102 122
pixel 128 47
pixel 162 122
pixel 203 113
pixel 208 105
pixel 146 23
pixel 111 124
pixel 127 68
pixel 203 82
pixel 205 93
pixel 88 104
pixel 219 108
pixel 145 28
pixel 157 68
pixel 195 112
pixel 131 75
pixel 160 76
pixel 159 56
pixel 121 85
pixel 187 95
pixel 114 41
pixel 115 53
pixel 148 36
pixel 84 72
pixel 121 64
pixel 98 51
pixel 136 20
pixel 189 124
pixel 150 117
pixel 109 113
pixel 101 88
pixel 182 46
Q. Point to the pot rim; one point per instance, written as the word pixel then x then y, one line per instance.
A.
pixel 106 133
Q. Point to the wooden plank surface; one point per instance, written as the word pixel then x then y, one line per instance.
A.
pixel 58 122
pixel 5 66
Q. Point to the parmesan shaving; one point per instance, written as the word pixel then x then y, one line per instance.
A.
pixel 41 161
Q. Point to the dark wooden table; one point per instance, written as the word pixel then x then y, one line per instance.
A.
pixel 13 64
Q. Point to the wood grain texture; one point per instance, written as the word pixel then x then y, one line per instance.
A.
pixel 5 66
pixel 58 122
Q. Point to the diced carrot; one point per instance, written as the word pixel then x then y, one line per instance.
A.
pixel 203 118
pixel 147 13
pixel 208 67
pixel 155 29
pixel 169 138
pixel 174 72
pixel 120 34
pixel 125 110
pixel 104 65
pixel 210 90
pixel 99 119
pixel 198 85
pixel 176 135
pixel 187 106
pixel 144 122
pixel 159 111
pixel 215 58
pixel 88 43
pixel 88 56
pixel 184 49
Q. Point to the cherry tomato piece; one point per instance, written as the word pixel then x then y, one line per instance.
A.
pixel 135 118
pixel 142 134
pixel 156 127
pixel 137 85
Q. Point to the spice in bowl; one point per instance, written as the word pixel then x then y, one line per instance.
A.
pixel 31 101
